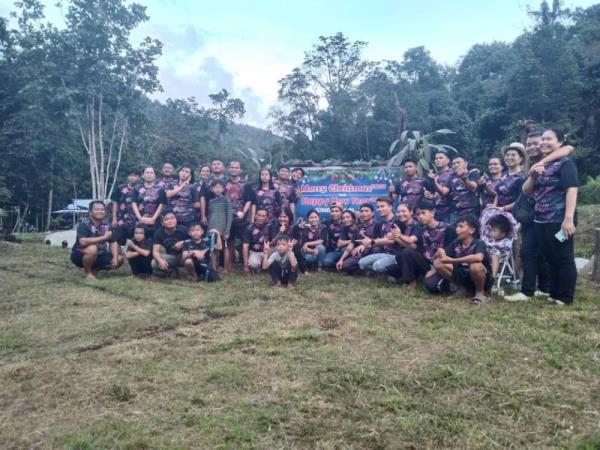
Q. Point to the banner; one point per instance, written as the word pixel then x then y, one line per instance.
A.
pixel 348 186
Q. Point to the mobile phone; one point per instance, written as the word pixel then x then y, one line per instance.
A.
pixel 561 236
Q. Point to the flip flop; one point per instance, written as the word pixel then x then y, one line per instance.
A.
pixel 480 300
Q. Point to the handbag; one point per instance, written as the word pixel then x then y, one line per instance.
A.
pixel 524 209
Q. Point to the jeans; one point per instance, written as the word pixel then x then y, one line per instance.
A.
pixel 561 259
pixel 332 257
pixel 319 258
pixel 378 262
pixel 534 263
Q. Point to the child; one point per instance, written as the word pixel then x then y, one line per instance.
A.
pixel 220 214
pixel 499 226
pixel 465 261
pixel 139 252
pixel 196 253
pixel 282 264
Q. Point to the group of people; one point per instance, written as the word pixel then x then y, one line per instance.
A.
pixel 426 231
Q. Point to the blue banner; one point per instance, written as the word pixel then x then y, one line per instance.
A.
pixel 348 186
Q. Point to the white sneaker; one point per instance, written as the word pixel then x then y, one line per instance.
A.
pixel 539 293
pixel 551 301
pixel 518 297
pixel 558 302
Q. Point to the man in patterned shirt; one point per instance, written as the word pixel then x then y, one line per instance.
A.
pixel 90 250
pixel 466 261
pixel 412 188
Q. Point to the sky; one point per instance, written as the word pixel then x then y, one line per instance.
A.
pixel 247 46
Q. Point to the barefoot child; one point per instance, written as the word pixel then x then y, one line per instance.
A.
pixel 196 253
pixel 139 252
pixel 282 263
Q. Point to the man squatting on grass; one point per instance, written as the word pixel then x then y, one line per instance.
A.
pixel 439 248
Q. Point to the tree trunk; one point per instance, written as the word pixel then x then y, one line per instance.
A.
pixel 50 195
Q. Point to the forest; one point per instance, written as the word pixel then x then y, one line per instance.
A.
pixel 76 107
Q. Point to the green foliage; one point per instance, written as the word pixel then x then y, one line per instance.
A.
pixel 419 147
pixel 589 193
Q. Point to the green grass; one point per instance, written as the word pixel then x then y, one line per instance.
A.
pixel 120 363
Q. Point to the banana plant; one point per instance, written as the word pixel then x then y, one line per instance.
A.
pixel 414 145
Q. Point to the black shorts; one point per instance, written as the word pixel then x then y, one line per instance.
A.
pixel 122 233
pixel 462 277
pixel 237 231
pixel 104 259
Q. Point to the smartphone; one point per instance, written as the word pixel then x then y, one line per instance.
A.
pixel 561 236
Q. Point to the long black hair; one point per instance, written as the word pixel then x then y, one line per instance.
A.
pixel 260 183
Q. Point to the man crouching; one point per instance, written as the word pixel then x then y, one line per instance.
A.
pixel 91 250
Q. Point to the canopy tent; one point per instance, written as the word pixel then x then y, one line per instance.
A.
pixel 78 206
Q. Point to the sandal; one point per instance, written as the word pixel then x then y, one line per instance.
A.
pixel 480 300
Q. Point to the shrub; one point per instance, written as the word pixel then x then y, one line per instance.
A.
pixel 589 193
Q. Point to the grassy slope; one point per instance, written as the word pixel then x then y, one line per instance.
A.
pixel 120 363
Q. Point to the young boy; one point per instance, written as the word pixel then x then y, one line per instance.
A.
pixel 499 229
pixel 253 241
pixel 220 214
pixel 466 261
pixel 196 253
pixel 282 264
pixel 139 252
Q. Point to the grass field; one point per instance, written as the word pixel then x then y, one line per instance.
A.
pixel 119 363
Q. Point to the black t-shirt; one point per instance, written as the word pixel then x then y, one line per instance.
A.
pixel 168 240
pixel 204 244
pixel 291 232
pixel 457 250
pixel 87 229
pixel 256 237
pixel 381 230
pixel 123 197
pixel 308 234
pixel 146 244
pixel 434 238
pixel 334 233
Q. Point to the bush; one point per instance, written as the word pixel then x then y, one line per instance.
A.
pixel 589 193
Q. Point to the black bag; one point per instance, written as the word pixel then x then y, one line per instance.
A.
pixel 524 209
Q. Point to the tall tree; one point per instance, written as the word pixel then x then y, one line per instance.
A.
pixel 103 75
pixel 225 110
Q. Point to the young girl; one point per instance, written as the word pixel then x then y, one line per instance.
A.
pixel 283 226
pixel 266 196
pixel 183 198
pixel 148 201
pixel 313 240
pixel 139 252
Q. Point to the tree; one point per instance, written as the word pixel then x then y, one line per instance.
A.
pixel 103 76
pixel 225 110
